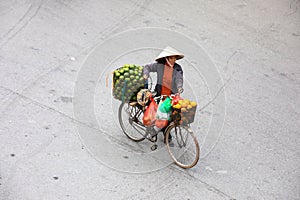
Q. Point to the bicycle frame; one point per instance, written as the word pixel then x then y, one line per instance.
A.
pixel 182 134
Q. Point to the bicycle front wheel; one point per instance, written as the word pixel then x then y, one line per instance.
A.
pixel 130 119
pixel 185 151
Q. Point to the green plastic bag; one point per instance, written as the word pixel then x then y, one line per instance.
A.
pixel 166 105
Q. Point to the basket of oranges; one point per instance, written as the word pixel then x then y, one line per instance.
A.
pixel 183 111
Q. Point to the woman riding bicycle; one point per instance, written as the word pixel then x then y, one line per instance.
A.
pixel 137 124
pixel 169 73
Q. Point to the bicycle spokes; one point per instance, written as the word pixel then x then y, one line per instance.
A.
pixel 129 118
pixel 185 150
pixel 181 138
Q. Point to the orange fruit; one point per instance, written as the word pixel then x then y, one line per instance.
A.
pixel 193 103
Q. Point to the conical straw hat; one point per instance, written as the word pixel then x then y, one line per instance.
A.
pixel 169 51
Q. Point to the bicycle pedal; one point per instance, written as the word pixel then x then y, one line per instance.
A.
pixel 153 138
pixel 154 147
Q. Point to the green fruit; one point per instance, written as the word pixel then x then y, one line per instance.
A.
pixel 132 66
pixel 118 86
pixel 127 65
pixel 136 72
pixel 126 69
pixel 121 71
pixel 117 74
pixel 121 77
pixel 131 71
pixel 126 74
pixel 127 79
pixel 132 77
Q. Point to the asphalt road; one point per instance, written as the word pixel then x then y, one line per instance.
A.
pixel 59 134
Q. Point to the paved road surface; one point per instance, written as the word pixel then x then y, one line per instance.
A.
pixel 52 50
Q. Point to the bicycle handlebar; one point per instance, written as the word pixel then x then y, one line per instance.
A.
pixel 163 95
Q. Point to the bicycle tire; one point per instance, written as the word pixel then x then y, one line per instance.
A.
pixel 180 151
pixel 131 129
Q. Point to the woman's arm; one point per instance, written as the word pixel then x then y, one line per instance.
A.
pixel 179 78
pixel 149 68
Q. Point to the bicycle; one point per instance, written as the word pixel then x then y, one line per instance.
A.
pixel 185 151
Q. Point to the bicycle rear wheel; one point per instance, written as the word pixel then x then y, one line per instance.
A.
pixel 130 119
pixel 185 151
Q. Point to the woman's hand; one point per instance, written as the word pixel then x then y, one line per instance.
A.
pixel 180 90
pixel 146 77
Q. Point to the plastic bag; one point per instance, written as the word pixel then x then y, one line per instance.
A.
pixel 150 113
pixel 166 105
pixel 175 99
pixel 163 114
pixel 160 123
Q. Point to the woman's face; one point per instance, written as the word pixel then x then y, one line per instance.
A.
pixel 171 59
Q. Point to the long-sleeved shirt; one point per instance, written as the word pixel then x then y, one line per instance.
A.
pixel 159 68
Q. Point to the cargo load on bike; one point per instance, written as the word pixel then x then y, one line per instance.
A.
pixel 127 82
pixel 129 86
pixel 184 111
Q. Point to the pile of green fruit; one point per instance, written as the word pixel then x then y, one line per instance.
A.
pixel 127 82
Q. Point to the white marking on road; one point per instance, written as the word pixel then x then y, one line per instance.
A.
pixel 221 172
pixel 209 168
